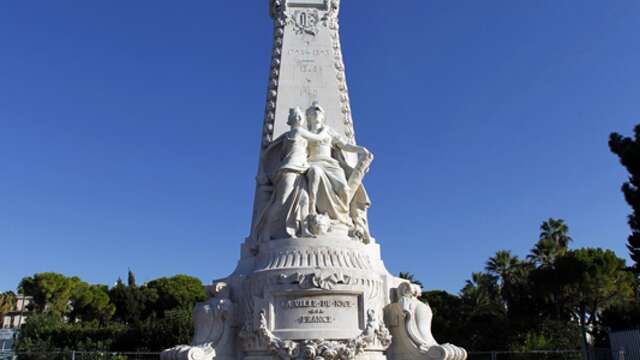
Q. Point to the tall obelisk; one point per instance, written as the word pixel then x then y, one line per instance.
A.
pixel 306 65
pixel 310 283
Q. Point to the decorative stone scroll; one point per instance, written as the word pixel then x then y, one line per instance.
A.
pixel 213 338
pixel 410 322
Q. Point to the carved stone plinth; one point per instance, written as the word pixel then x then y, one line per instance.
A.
pixel 313 296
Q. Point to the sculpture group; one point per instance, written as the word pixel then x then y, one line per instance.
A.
pixel 307 186
pixel 310 283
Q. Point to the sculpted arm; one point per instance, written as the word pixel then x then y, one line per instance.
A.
pixel 309 135
pixel 356 149
pixel 340 143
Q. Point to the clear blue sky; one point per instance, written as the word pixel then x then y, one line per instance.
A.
pixel 129 130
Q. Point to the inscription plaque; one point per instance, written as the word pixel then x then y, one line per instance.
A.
pixel 317 312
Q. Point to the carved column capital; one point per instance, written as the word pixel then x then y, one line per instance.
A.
pixel 278 7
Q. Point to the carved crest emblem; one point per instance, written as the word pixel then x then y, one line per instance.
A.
pixel 305 22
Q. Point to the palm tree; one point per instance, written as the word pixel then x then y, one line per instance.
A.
pixel 409 276
pixel 503 264
pixel 505 267
pixel 545 253
pixel 482 293
pixel 557 231
pixel 553 242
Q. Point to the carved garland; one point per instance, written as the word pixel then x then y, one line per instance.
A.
pixel 375 334
pixel 342 83
pixel 279 22
pixel 330 281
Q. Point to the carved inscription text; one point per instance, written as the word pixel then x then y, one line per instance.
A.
pixel 316 311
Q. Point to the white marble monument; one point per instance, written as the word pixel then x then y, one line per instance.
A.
pixel 310 283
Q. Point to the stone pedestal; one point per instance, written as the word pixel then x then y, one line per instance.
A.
pixel 322 295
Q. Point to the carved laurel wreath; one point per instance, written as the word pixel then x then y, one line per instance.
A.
pixel 305 22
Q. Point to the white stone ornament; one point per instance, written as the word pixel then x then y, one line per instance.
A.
pixel 409 320
pixel 213 337
pixel 310 283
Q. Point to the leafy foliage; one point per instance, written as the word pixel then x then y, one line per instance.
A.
pixel 540 303
pixel 595 280
pixel 91 303
pixel 447 315
pixel 177 292
pixel 7 303
pixel 622 316
pixel 548 335
pixel 51 292
pixel 628 150
pixel 130 303
pixel 71 314
pixel 553 242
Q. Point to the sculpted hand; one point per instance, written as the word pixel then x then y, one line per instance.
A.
pixel 366 153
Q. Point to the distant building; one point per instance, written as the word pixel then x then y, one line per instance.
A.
pixel 7 340
pixel 18 316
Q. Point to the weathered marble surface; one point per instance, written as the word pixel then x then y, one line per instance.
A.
pixel 310 283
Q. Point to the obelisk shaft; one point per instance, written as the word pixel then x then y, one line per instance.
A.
pixel 307 66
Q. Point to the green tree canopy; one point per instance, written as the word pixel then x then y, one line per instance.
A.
pixel 177 292
pixel 448 315
pixel 593 280
pixel 51 292
pixel 628 150
pixel 130 302
pixel 91 303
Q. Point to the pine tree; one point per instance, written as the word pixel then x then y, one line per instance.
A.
pixel 131 280
pixel 628 150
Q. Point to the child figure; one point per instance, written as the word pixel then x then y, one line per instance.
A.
pixel 288 207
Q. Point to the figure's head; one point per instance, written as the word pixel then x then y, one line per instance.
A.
pixel 220 290
pixel 407 289
pixel 404 289
pixel 315 116
pixel 295 117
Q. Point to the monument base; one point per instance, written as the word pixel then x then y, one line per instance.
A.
pixel 328 298
pixel 322 297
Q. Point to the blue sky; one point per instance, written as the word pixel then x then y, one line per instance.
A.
pixel 129 130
